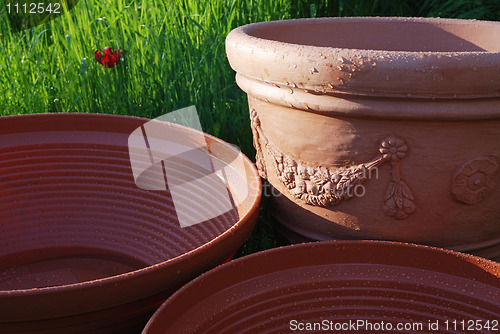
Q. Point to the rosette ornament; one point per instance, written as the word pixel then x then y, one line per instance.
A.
pixel 393 149
pixel 474 180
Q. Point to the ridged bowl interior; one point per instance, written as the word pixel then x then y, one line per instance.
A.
pixel 73 219
pixel 330 284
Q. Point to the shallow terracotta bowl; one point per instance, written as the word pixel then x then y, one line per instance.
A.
pixel 344 286
pixel 82 248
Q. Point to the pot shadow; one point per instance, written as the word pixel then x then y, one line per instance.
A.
pixel 284 210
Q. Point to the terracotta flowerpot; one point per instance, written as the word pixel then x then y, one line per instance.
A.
pixel 83 249
pixel 377 128
pixel 335 283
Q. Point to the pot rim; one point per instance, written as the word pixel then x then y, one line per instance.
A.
pixel 249 28
pixel 321 245
pixel 378 73
pixel 113 280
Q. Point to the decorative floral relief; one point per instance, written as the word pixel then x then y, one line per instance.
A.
pixel 257 133
pixel 321 186
pixel 474 180
pixel 399 200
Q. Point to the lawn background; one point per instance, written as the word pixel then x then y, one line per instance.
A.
pixel 175 58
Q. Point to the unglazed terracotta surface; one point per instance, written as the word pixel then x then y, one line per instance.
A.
pixel 377 128
pixel 83 249
pixel 337 282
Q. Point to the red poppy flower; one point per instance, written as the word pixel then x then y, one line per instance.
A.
pixel 108 58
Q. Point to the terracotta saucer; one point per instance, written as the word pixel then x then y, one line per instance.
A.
pixel 83 248
pixel 338 287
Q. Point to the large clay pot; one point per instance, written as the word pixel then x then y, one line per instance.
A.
pixel 82 248
pixel 377 128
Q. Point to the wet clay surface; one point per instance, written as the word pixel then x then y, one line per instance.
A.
pixel 337 282
pixel 371 56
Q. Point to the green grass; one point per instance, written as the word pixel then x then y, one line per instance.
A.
pixel 175 58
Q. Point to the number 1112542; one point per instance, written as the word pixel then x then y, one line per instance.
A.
pixel 34 8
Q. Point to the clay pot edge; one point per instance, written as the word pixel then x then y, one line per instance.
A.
pixel 275 252
pixel 113 280
pixel 267 60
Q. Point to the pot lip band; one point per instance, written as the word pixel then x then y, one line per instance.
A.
pixel 368 72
